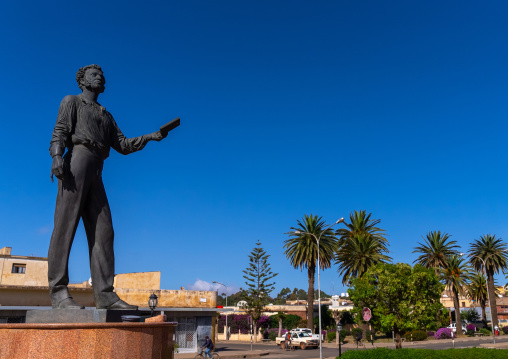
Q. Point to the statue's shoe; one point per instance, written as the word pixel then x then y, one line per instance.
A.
pixel 120 305
pixel 67 303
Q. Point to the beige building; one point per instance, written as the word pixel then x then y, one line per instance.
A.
pixel 24 286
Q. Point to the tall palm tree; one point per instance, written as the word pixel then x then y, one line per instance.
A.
pixel 436 250
pixel 302 250
pixel 455 276
pixel 361 245
pixel 491 250
pixel 357 254
pixel 477 291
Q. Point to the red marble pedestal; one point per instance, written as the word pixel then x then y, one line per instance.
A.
pixel 87 340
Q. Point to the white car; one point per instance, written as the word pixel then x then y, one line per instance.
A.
pixel 454 328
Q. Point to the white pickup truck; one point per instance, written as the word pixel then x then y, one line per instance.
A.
pixel 299 339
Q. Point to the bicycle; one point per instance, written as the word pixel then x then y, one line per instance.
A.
pixel 359 343
pixel 202 355
pixel 286 345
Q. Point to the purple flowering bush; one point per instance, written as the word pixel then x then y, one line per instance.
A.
pixel 470 327
pixel 274 332
pixel 430 334
pixel 443 333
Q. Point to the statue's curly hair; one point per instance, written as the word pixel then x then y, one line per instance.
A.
pixel 80 75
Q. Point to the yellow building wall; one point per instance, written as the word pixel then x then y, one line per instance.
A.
pixel 39 296
pixel 170 298
pixel 142 280
pixel 36 273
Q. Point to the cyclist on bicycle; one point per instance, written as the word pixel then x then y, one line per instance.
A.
pixel 288 341
pixel 209 347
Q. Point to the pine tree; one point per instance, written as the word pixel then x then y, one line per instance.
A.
pixel 257 275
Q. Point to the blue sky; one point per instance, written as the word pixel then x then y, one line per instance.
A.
pixel 288 108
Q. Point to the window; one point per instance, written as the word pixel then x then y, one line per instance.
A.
pixel 463 304
pixel 18 268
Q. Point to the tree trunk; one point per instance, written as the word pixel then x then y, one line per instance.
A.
pixel 280 327
pixel 255 329
pixel 310 297
pixel 458 319
pixel 492 297
pixel 484 315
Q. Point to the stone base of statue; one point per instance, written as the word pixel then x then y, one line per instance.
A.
pixel 126 340
pixel 91 315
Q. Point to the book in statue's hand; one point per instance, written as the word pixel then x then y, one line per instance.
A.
pixel 170 126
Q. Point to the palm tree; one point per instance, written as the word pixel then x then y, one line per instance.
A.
pixel 436 250
pixel 357 254
pixel 302 250
pixel 360 246
pixel 477 291
pixel 488 253
pixel 455 276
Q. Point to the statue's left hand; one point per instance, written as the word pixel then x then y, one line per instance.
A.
pixel 157 136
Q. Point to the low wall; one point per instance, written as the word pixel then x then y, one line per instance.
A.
pixel 239 337
pixel 87 340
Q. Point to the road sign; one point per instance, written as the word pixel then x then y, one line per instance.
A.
pixel 367 314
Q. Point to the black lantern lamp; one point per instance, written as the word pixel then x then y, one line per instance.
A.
pixel 339 328
pixel 152 302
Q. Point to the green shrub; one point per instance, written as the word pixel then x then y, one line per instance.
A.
pixel 272 335
pixel 354 332
pixel 331 336
pixel 342 335
pixel 470 333
pixel 485 331
pixel 368 334
pixel 405 353
pixel 416 335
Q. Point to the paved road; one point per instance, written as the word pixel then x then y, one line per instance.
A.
pixel 331 351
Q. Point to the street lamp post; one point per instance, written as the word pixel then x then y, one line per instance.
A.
pixel 488 295
pixel 152 302
pixel 339 328
pixel 227 336
pixel 319 279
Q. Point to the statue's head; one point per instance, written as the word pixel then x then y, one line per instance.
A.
pixel 92 78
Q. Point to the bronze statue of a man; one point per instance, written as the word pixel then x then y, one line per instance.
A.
pixel 87 131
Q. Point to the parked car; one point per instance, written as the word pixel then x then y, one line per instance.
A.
pixel 454 328
pixel 299 339
pixel 308 331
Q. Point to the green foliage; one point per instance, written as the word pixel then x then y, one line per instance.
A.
pixel 347 317
pixel 257 275
pixel 385 353
pixel 416 335
pixel 401 297
pixel 485 331
pixel 342 335
pixel 360 246
pixel 470 315
pixel 274 321
pixel 291 321
pixel 435 251
pixel 491 250
pixel 272 335
pixel 331 336
pixel 443 320
pixel 368 334
pixel 354 332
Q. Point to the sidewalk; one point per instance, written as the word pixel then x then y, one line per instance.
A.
pixel 273 350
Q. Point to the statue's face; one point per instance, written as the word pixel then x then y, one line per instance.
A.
pixel 95 80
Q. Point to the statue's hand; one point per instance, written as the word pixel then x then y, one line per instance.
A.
pixel 157 136
pixel 57 166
